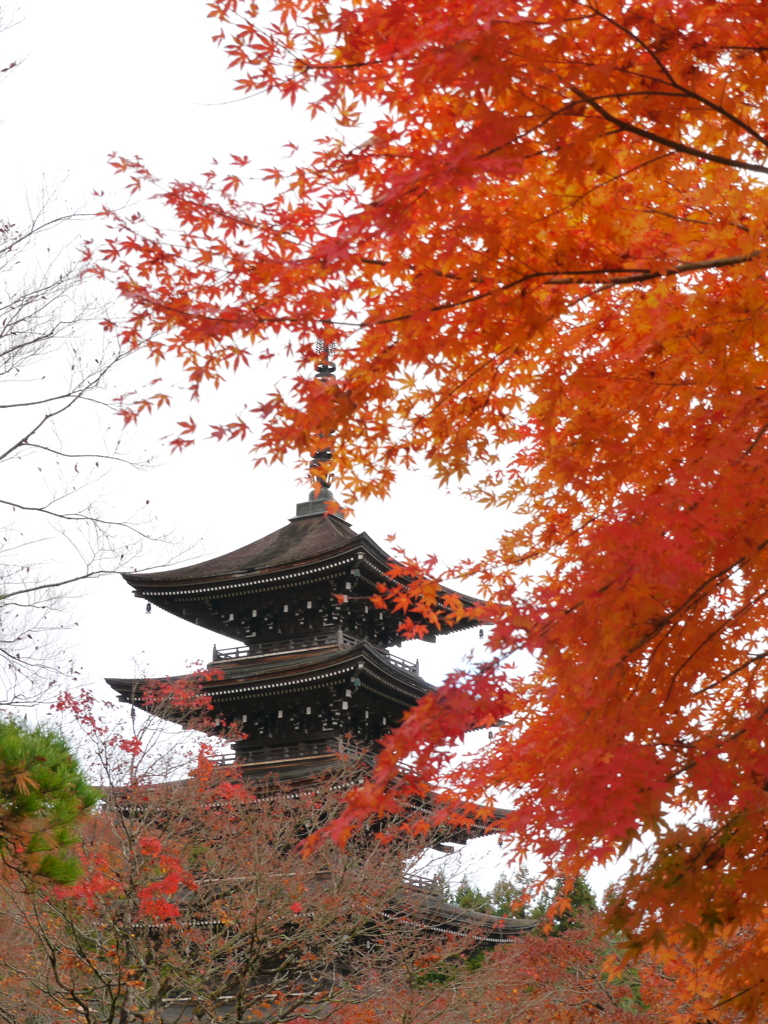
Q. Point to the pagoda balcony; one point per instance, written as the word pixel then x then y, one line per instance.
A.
pixel 337 639
pixel 280 753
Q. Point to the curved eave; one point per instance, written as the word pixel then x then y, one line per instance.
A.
pixel 289 575
pixel 305 542
pixel 459 920
pixel 307 550
pixel 170 597
pixel 251 678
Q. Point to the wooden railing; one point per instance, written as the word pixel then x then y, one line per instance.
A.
pixel 283 752
pixel 425 883
pixel 308 643
pixel 299 643
pixel 408 666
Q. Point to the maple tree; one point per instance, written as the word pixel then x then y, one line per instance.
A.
pixel 195 899
pixel 554 979
pixel 536 241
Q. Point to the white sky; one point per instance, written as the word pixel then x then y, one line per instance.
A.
pixel 143 78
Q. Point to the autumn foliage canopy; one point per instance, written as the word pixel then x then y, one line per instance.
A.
pixel 537 242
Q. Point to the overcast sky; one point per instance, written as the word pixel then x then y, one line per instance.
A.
pixel 144 78
pixel 97 76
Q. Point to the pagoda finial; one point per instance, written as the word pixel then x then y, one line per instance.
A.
pixel 321 465
pixel 322 461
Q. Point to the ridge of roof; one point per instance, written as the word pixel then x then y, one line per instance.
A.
pixel 300 541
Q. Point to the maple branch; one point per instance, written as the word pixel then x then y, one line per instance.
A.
pixel 710 636
pixel 662 140
pixel 651 275
pixel 691 220
pixel 693 598
pixel 752 660
pixel 690 93
pixel 684 268
pixel 603 184
pixel 551 115
pixel 756 441
pixel 730 999
pixel 578 277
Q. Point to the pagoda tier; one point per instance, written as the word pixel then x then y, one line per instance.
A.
pixel 314 668
pixel 314 672
pixel 313 575
pixel 297 707
pixel 296 702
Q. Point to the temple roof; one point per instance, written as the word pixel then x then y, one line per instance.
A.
pixel 242 594
pixel 290 669
pixel 305 540
pixel 300 671
pixel 435 913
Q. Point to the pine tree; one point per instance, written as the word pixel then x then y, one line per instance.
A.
pixel 43 793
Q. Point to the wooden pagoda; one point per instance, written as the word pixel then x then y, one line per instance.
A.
pixel 313 664
pixel 312 667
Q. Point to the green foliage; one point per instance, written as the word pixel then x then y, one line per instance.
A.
pixel 508 897
pixel 511 897
pixel 442 887
pixel 42 795
pixel 471 898
pixel 581 897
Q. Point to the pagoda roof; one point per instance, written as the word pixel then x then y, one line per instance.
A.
pixel 302 671
pixel 310 548
pixel 435 913
pixel 305 540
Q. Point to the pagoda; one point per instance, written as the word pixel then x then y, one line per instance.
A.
pixel 311 669
pixel 312 664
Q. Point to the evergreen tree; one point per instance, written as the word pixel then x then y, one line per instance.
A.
pixel 510 897
pixel 441 886
pixel 42 794
pixel 471 897
pixel 582 900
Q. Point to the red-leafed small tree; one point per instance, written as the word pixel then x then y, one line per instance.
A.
pixel 542 264
pixel 559 979
pixel 196 899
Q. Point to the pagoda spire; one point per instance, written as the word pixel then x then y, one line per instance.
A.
pixel 321 464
